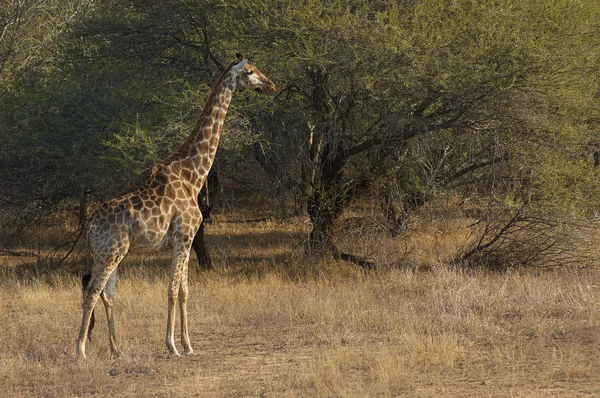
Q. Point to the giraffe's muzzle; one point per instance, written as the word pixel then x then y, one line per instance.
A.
pixel 269 87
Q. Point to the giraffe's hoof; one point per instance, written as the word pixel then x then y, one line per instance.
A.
pixel 189 351
pixel 117 354
pixel 174 354
pixel 81 358
pixel 80 354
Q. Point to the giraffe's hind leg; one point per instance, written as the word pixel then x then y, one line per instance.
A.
pixel 108 295
pixel 101 273
pixel 88 306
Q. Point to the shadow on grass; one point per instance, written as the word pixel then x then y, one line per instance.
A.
pixel 251 254
pixel 260 240
pixel 29 270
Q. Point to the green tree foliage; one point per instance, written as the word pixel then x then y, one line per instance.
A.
pixel 495 100
pixel 492 82
pixel 30 33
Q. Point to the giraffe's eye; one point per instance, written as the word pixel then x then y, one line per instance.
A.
pixel 249 72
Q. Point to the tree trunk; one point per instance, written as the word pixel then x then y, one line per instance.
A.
pixel 324 208
pixel 323 217
pixel 198 244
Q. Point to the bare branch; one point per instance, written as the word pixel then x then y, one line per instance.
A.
pixel 475 166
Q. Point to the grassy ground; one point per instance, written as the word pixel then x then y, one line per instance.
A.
pixel 265 323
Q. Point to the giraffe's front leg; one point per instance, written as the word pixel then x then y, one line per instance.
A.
pixel 178 289
pixel 170 340
pixel 183 295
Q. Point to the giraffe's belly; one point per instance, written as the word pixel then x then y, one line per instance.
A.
pixel 149 234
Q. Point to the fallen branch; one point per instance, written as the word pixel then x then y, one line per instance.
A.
pixel 360 261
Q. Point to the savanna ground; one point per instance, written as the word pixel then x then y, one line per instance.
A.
pixel 267 323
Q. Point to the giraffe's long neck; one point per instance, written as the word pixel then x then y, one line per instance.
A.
pixel 204 139
pixel 196 155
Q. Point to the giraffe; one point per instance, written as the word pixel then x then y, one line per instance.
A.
pixel 163 213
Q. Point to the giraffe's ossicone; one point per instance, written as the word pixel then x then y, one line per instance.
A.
pixel 163 213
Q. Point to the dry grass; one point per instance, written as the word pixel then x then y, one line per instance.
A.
pixel 264 323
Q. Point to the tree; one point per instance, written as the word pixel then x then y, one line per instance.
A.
pixel 372 77
pixel 30 162
pixel 496 101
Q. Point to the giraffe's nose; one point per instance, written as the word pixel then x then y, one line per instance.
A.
pixel 269 87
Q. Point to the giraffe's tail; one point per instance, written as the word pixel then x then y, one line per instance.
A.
pixel 87 273
pixel 85 281
pixel 87 276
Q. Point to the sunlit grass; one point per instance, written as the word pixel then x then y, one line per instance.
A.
pixel 265 322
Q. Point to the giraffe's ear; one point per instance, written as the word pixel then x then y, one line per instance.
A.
pixel 240 65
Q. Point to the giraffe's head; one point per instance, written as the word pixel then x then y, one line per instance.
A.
pixel 248 76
